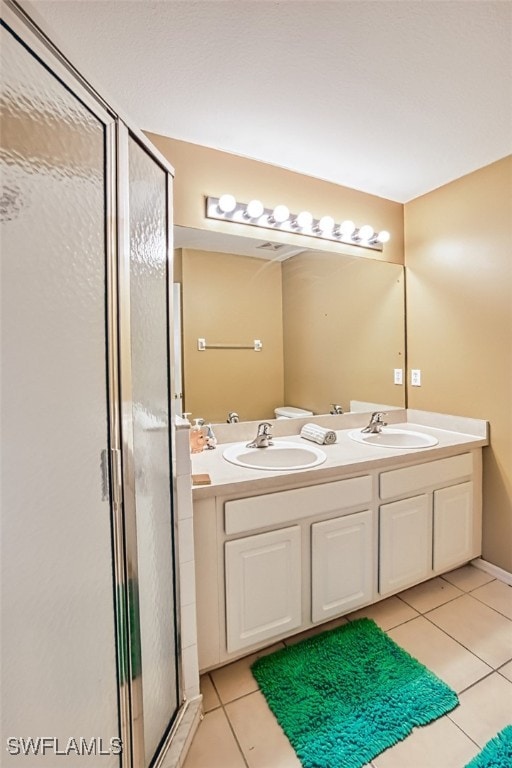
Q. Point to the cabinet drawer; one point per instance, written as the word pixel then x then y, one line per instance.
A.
pixel 399 482
pixel 291 506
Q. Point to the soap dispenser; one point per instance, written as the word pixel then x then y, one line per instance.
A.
pixel 197 437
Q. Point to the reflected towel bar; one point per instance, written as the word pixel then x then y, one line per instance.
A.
pixel 257 345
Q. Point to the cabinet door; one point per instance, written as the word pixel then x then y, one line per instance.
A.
pixel 342 560
pixel 405 543
pixel 453 526
pixel 263 586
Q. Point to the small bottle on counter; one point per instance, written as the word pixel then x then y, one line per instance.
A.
pixel 197 437
pixel 211 440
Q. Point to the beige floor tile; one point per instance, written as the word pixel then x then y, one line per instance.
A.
pixel 387 614
pixel 314 631
pixel 261 738
pixel 210 698
pixel 430 594
pixel 496 595
pixel 480 629
pixel 236 679
pixel 467 578
pixel 506 671
pixel 438 745
pixel 485 708
pixel 214 745
pixel 443 656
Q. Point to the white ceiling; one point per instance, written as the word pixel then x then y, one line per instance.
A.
pixel 392 97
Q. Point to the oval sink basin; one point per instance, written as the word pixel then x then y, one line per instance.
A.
pixel 394 438
pixel 282 455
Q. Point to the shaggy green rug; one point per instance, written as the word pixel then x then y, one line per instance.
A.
pixel 345 695
pixel 497 753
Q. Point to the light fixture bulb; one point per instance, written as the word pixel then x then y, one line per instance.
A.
pixel 280 214
pixel 254 209
pixel 347 228
pixel 383 237
pixel 304 219
pixel 227 203
pixel 326 224
pixel 365 232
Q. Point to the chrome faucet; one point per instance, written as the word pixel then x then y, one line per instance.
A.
pixel 335 409
pixel 376 423
pixel 264 437
pixel 233 417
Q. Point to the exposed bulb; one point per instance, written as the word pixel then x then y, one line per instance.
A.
pixel 347 228
pixel 304 219
pixel 326 224
pixel 254 209
pixel 227 203
pixel 383 237
pixel 280 214
pixel 365 232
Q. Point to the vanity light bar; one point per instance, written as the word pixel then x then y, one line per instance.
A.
pixel 227 208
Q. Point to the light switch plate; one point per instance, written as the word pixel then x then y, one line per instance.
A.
pixel 415 377
pixel 398 376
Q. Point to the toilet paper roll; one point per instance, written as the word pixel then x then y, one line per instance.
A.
pixel 318 434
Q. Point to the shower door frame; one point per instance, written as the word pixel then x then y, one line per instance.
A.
pixel 120 465
pixel 124 133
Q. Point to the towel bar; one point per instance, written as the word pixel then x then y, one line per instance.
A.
pixel 257 345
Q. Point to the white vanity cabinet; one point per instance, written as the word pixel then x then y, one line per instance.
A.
pixel 453 519
pixel 272 564
pixel 405 543
pixel 341 565
pixel 263 586
pixel 430 532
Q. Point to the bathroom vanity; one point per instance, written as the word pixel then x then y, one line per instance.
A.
pixel 280 552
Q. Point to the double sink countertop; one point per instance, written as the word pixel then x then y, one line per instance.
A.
pixel 346 457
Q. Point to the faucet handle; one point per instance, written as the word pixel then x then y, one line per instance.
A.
pixel 376 422
pixel 265 428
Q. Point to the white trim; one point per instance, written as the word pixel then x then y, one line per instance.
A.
pixel 494 570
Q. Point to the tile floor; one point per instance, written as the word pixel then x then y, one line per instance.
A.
pixel 458 625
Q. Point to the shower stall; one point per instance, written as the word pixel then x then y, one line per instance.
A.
pixel 90 624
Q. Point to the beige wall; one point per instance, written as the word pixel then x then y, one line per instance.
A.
pixel 231 299
pixel 202 172
pixel 459 322
pixel 344 331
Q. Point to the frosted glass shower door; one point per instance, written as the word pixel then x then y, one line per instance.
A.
pixel 149 331
pixel 58 641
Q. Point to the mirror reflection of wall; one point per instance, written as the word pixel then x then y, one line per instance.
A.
pixel 332 329
pixel 343 330
pixel 231 299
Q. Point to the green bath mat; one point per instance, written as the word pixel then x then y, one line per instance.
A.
pixel 345 695
pixel 497 753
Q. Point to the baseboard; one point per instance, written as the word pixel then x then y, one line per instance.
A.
pixel 494 570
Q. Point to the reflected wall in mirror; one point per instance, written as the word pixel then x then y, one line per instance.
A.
pixel 332 327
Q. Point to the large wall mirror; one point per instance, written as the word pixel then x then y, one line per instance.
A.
pixel 331 327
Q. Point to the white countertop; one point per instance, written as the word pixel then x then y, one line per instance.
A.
pixel 345 457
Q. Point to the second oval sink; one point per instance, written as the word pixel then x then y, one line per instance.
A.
pixel 394 438
pixel 281 455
